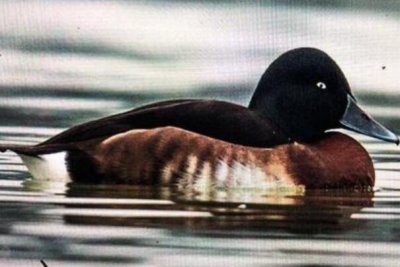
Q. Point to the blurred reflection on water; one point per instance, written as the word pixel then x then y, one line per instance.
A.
pixel 64 62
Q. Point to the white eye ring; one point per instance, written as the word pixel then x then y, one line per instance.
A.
pixel 321 85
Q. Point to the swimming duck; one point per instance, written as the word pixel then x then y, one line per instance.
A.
pixel 301 95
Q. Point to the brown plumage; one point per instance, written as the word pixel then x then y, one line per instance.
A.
pixel 172 155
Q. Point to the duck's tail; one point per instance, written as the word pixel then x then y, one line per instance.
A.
pixel 23 149
pixel 34 150
pixel 43 162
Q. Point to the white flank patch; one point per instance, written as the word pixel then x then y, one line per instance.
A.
pixel 203 180
pixel 221 173
pixel 260 177
pixel 166 174
pixel 191 168
pixel 50 167
pixel 242 175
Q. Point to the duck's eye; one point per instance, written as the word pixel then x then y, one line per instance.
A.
pixel 321 85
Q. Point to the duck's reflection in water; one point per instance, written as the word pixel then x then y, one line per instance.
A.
pixel 139 224
pixel 284 209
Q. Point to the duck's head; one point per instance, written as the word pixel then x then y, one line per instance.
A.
pixel 305 93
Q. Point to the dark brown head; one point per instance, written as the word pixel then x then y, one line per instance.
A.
pixel 305 92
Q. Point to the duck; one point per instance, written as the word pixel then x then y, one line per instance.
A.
pixel 282 136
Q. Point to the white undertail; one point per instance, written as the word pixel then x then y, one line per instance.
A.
pixel 50 167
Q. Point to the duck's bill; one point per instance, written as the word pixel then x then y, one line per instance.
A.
pixel 357 120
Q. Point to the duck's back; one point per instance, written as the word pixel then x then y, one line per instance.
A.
pixel 218 119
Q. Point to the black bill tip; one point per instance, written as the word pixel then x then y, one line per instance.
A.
pixel 355 119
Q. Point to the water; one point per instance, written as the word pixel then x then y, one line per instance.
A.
pixel 65 62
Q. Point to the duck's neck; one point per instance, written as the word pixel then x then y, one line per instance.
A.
pixel 275 108
pixel 265 105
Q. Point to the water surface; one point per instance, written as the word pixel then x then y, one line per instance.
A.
pixel 65 62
